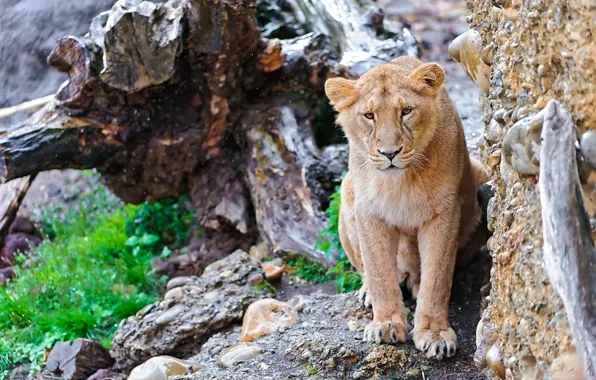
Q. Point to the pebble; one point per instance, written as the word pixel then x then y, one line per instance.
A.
pixel 494 361
pixel 414 373
pixel 177 282
pixel 210 296
pixel 567 367
pixel 174 293
pixel 353 325
pixel 162 368
pixel 492 132
pixel 256 279
pixel 499 115
pixel 299 302
pixel 141 313
pixel 588 147
pixel 169 315
pixel 272 271
pixel 265 316
pixel 239 353
pixel 226 274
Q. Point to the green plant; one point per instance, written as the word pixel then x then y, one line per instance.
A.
pixel 167 219
pixel 308 270
pixel 265 285
pixel 90 272
pixel 311 370
pixel 346 277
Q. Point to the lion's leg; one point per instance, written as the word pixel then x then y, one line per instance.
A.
pixel 473 233
pixel 378 243
pixel 438 244
pixel 348 235
pixel 408 263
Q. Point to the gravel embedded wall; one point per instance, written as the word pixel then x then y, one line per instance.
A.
pixel 532 51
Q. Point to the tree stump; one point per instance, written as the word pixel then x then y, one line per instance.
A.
pixel 175 97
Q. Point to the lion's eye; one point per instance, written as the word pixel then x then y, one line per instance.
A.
pixel 369 115
pixel 406 110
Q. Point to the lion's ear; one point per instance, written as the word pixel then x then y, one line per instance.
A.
pixel 341 92
pixel 430 75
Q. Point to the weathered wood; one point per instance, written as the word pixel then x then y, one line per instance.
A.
pixel 569 253
pixel 140 44
pixel 282 161
pixel 30 106
pixel 11 196
pixel 363 37
pixel 71 55
pixel 56 142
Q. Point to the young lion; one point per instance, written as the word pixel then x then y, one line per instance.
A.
pixel 410 192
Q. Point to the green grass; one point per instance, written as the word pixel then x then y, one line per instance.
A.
pixel 308 270
pixel 311 370
pixel 346 277
pixel 91 271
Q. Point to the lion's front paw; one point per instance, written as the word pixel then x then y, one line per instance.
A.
pixel 385 332
pixel 436 344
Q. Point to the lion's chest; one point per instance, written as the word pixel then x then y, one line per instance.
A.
pixel 404 205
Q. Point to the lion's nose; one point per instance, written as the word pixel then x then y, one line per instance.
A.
pixel 389 154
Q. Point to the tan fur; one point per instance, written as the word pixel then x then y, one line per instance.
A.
pixel 406 223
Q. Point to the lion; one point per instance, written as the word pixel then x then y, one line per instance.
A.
pixel 408 201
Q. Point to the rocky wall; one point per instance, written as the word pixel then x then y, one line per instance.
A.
pixel 522 53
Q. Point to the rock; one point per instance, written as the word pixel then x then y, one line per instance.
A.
pixel 484 194
pixel 256 279
pixel 353 325
pixel 514 148
pixel 273 272
pixel 265 317
pixel 177 282
pixel 494 360
pixel 320 343
pixel 14 244
pixel 239 353
pixel 588 147
pixel 299 302
pixel 259 252
pixel 6 274
pixel 177 325
pixel 499 115
pixel 78 359
pixel 467 50
pixel 24 225
pixel 20 372
pixel 107 374
pixel 158 265
pixel 173 293
pixel 414 373
pixel 484 341
pixel 567 367
pixel 169 315
pixel 162 368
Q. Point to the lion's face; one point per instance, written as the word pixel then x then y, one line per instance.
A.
pixel 389 114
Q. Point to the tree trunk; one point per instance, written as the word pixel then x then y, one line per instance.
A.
pixel 172 98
